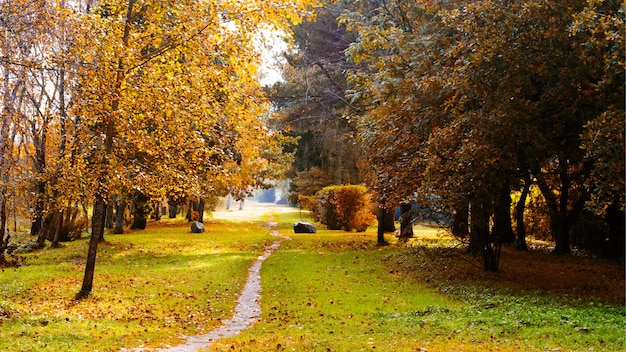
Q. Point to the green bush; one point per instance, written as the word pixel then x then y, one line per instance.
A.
pixel 344 207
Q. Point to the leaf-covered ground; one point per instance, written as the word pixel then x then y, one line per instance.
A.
pixel 335 291
pixel 534 270
pixel 331 291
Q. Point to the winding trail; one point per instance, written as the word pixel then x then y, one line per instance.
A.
pixel 247 311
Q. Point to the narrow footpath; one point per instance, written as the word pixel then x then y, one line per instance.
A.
pixel 248 309
pixel 246 313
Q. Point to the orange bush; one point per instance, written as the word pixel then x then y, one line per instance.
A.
pixel 346 207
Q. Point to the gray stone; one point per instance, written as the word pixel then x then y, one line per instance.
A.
pixel 303 227
pixel 197 227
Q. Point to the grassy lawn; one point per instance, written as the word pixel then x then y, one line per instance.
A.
pixel 330 291
pixel 150 288
pixel 336 291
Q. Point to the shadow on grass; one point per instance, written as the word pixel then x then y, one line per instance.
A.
pixel 521 272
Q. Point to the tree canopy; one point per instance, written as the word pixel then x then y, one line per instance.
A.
pixel 160 97
pixel 467 101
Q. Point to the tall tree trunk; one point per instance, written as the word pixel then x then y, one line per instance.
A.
pixel 156 213
pixel 200 210
pixel 190 210
pixel 120 207
pixel 36 228
pixel 557 209
pixel 109 219
pixel 383 216
pixel 406 221
pixel 4 238
pixel 614 217
pixel 99 214
pixel 519 214
pixel 139 212
pixel 460 221
pixel 489 246
pixel 502 215
pixel 562 237
pixel 57 229
pixel 99 217
pixel 173 211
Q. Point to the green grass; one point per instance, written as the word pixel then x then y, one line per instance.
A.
pixel 336 291
pixel 325 292
pixel 150 288
pixel 329 291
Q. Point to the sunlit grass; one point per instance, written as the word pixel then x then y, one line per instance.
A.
pixel 323 291
pixel 150 288
pixel 329 291
pixel 337 291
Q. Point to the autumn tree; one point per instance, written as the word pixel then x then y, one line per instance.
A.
pixel 169 94
pixel 466 100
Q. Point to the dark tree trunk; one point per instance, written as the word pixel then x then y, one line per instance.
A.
pixel 460 222
pixel 406 221
pixel 502 216
pixel 557 210
pixel 189 215
pixel 519 214
pixel 196 211
pixel 383 225
pixel 388 221
pixel 109 217
pixel 36 228
pixel 563 210
pixel 139 211
pixel 562 235
pixel 99 217
pixel 173 211
pixel 57 230
pixel 489 246
pixel 4 238
pixel 156 214
pixel 119 216
pixel 200 210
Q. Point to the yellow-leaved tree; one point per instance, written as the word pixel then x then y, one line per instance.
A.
pixel 168 98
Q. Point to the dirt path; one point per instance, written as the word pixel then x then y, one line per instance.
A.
pixel 248 310
pixel 252 211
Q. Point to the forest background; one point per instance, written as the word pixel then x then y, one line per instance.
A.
pixel 504 118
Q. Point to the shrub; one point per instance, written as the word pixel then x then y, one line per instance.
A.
pixel 344 207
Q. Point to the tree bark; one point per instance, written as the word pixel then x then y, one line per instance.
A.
pixel 489 246
pixel 460 222
pixel 109 218
pixel 502 216
pixel 557 210
pixel 173 211
pixel 4 238
pixel 99 217
pixel 156 214
pixel 614 217
pixel 406 221
pixel 119 217
pixel 36 228
pixel 99 214
pixel 57 230
pixel 519 214
pixel 383 225
pixel 200 210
